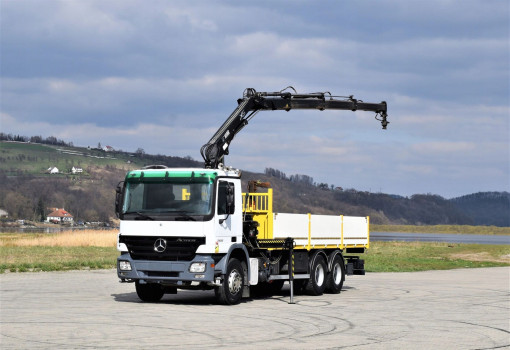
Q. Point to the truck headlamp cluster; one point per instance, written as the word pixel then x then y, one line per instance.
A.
pixel 124 265
pixel 197 267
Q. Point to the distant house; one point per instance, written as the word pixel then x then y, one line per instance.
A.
pixel 3 214
pixel 59 216
pixel 108 149
pixel 52 170
pixel 76 170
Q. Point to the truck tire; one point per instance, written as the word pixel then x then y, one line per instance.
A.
pixel 336 277
pixel 150 292
pixel 231 290
pixel 317 282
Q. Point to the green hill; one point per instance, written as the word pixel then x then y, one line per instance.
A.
pixel 27 189
pixel 18 158
pixel 486 208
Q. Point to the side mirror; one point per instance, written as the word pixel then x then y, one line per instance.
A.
pixel 119 194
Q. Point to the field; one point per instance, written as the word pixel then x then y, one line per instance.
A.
pixel 422 256
pixel 70 250
pixel 95 249
pixel 35 159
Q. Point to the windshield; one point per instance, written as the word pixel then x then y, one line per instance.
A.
pixel 180 198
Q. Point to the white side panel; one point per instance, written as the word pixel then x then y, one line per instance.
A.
pixel 355 230
pixel 326 229
pixel 291 225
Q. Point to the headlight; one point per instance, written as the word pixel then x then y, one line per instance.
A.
pixel 197 267
pixel 124 265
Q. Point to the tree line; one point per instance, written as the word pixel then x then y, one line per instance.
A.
pixel 50 140
pixel 297 178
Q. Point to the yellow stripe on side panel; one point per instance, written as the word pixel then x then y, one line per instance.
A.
pixel 368 232
pixel 309 231
pixel 342 232
pixel 270 213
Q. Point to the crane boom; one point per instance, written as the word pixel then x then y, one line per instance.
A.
pixel 253 101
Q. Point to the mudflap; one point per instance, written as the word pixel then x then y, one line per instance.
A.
pixel 354 265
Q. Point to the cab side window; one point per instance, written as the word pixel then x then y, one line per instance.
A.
pixel 222 196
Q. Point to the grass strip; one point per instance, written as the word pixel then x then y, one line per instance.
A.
pixel 381 257
pixel 423 256
pixel 44 258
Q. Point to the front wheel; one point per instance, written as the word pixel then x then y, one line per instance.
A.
pixel 231 289
pixel 336 277
pixel 150 292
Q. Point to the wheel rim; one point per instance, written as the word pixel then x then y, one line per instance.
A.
pixel 235 282
pixel 337 274
pixel 319 274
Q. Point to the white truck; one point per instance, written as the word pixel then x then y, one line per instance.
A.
pixel 195 229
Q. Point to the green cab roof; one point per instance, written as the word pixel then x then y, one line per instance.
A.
pixel 159 175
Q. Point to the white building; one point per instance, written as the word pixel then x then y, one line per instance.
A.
pixel 53 170
pixel 59 216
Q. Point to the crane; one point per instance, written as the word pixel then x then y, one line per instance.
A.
pixel 252 102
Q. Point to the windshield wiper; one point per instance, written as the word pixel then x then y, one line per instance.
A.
pixel 141 216
pixel 182 214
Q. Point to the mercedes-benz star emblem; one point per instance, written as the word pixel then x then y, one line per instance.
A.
pixel 160 245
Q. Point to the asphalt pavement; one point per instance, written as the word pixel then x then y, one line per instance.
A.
pixel 455 309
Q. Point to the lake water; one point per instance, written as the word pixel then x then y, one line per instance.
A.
pixel 50 229
pixel 438 237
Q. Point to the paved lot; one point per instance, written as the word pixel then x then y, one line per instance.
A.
pixel 458 309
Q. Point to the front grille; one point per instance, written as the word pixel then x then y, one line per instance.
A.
pixel 177 248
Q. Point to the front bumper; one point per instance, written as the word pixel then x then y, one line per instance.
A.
pixel 169 272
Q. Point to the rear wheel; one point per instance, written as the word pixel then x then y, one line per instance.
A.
pixel 231 289
pixel 150 292
pixel 317 282
pixel 336 277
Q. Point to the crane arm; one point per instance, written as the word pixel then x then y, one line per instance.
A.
pixel 253 101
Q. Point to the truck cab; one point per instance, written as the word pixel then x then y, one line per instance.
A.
pixel 176 226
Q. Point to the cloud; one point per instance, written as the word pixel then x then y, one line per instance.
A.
pixel 442 147
pixel 164 76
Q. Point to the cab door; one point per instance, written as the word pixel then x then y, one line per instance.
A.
pixel 228 215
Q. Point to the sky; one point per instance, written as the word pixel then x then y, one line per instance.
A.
pixel 164 76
